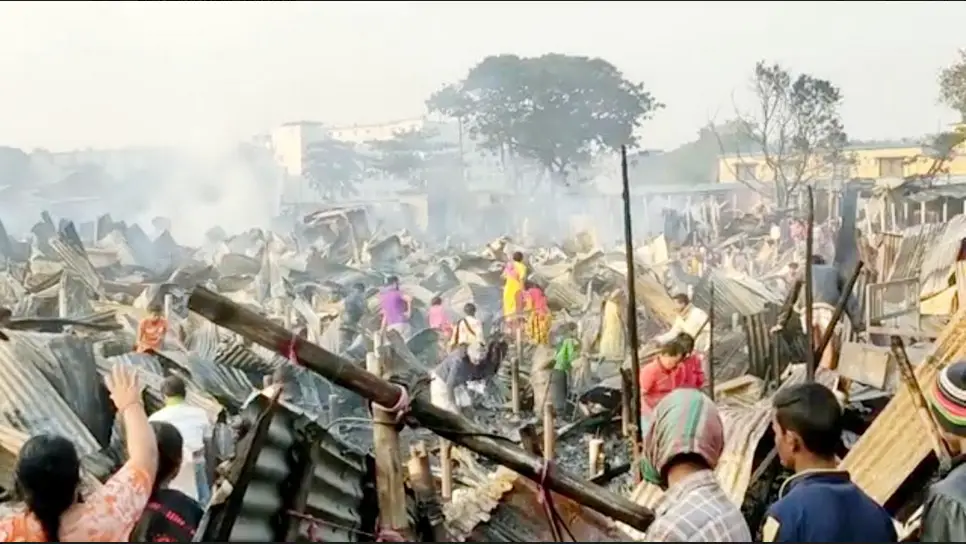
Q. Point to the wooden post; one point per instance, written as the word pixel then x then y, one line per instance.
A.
pixel 421 479
pixel 389 476
pixel 168 301
pixel 446 469
pixel 549 433
pixel 627 405
pixel 809 326
pixel 515 371
pixel 631 322
pixel 250 325
pixel 595 454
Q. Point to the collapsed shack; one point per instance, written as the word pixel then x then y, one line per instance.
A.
pixel 310 474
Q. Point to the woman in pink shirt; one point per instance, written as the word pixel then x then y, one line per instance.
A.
pixel 439 320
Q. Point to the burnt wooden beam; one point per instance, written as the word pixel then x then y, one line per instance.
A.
pixel 344 373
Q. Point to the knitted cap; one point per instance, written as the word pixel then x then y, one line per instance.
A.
pixel 947 398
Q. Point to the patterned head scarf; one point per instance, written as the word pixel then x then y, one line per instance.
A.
pixel 685 421
pixel 947 398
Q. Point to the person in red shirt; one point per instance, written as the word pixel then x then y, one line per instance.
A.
pixel 675 367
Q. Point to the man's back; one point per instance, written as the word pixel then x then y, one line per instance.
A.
pixel 192 422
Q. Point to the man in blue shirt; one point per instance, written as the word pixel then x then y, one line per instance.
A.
pixel 819 502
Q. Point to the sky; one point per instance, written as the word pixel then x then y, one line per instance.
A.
pixel 114 74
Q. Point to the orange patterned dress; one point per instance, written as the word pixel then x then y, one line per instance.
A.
pixel 107 515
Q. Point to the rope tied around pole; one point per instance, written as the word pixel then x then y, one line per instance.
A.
pixel 401 408
pixel 544 492
pixel 291 349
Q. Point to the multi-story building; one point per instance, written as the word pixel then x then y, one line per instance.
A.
pixel 360 134
pixel 883 160
pixel 289 142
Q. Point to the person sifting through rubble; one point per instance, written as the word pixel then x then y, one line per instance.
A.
pixel 944 510
pixel 170 516
pixel 152 330
pixel 469 332
pixel 439 322
pixel 196 430
pixel 47 477
pixel 456 370
pixel 353 309
pixel 539 319
pixel 827 288
pixel 690 320
pixel 681 450
pixel 396 308
pixel 819 502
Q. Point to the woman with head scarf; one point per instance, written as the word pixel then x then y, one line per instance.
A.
pixel 681 450
pixel 539 319
pixel 514 275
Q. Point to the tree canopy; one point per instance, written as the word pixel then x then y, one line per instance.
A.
pixel 556 109
pixel 410 155
pixel 334 168
pixel 795 128
pixel 952 86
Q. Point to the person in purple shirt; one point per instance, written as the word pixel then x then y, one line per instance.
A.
pixel 396 308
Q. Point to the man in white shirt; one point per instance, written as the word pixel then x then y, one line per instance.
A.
pixel 690 320
pixel 469 333
pixel 195 428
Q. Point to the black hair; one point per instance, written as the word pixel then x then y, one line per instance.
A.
pixel 469 309
pixel 436 301
pixel 674 348
pixel 812 412
pixel 174 386
pixel 793 265
pixel 682 298
pixel 361 287
pixel 686 342
pixel 392 280
pixel 817 259
pixel 155 308
pixel 47 475
pixel 517 256
pixel 170 451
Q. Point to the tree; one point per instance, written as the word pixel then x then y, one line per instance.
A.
pixel 556 109
pixel 334 168
pixel 952 86
pixel 410 155
pixel 795 130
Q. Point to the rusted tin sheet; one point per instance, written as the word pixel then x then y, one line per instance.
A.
pixel 912 249
pixel 941 256
pixel 507 508
pixel 896 442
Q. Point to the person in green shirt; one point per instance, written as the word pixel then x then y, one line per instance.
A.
pixel 568 349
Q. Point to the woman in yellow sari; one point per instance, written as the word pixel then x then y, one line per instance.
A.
pixel 515 273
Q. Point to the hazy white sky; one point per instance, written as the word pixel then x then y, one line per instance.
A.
pixel 110 74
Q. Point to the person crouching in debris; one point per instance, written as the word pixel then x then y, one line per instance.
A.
pixel 170 516
pixel 681 450
pixel 944 510
pixel 568 349
pixel 151 330
pixel 396 308
pixel 827 287
pixel 819 502
pixel 455 371
pixel 48 471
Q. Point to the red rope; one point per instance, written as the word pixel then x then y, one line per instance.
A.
pixel 291 349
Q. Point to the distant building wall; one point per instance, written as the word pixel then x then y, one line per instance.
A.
pixel 377 132
pixel 290 140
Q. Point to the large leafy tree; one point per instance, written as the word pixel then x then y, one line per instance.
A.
pixel 334 168
pixel 952 85
pixel 794 127
pixel 555 109
pixel 410 155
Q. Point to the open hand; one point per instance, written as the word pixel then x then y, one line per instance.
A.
pixel 123 385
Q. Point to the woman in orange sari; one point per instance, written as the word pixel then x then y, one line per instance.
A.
pixel 538 315
pixel 515 274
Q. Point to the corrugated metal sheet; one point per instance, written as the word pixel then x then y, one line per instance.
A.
pixel 151 374
pixel 506 508
pixel 896 442
pixel 740 295
pixel 340 495
pixel 937 266
pixel 912 250
pixel 77 263
pixel 744 426
pixel 29 402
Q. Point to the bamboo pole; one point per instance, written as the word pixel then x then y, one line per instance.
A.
pixel 595 454
pixel 421 479
pixel 445 469
pixel 632 338
pixel 549 434
pixel 389 476
pixel 809 326
pixel 515 372
pixel 929 421
pixel 249 324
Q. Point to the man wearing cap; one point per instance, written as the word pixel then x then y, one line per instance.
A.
pixel 944 510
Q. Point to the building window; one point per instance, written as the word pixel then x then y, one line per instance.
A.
pixel 745 172
pixel 891 167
